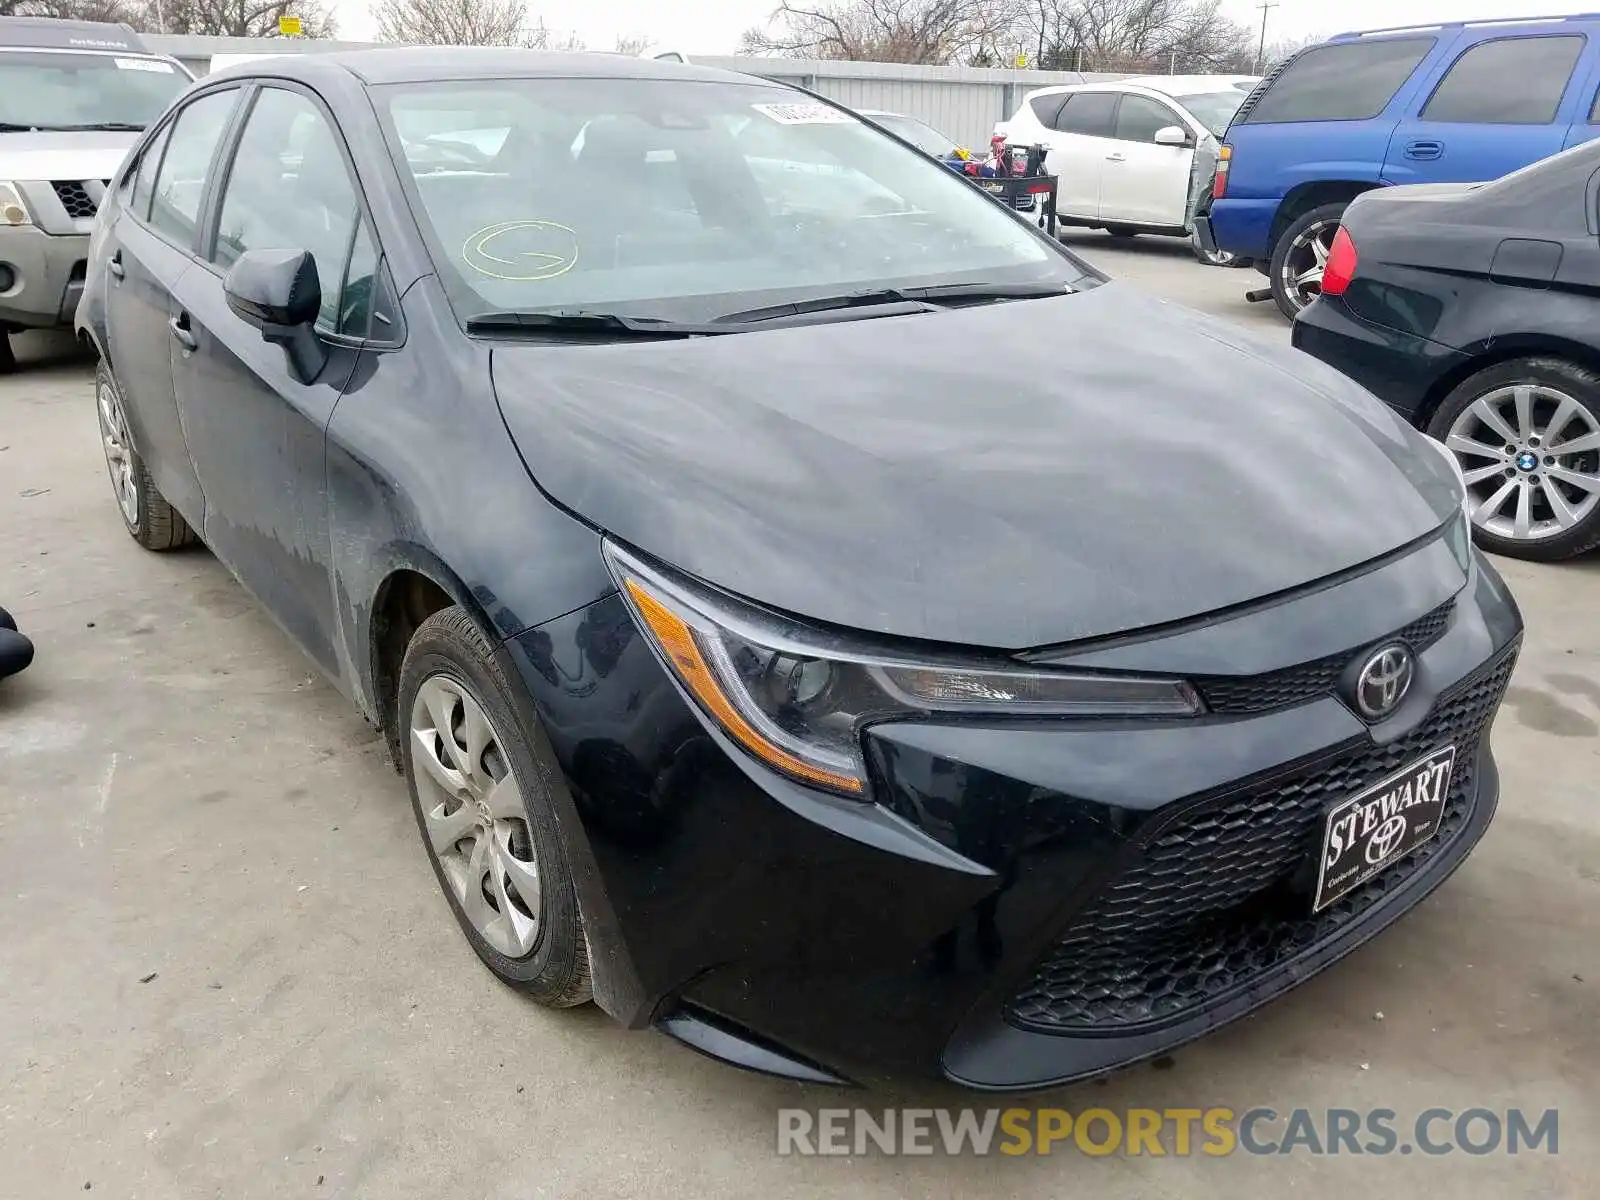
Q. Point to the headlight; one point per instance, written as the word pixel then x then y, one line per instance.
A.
pixel 1455 465
pixel 797 699
pixel 12 210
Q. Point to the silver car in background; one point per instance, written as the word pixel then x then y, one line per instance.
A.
pixel 74 96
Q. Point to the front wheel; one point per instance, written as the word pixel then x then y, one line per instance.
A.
pixel 481 789
pixel 1299 256
pixel 1527 436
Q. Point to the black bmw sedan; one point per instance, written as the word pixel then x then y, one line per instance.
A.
pixel 815 615
pixel 1473 311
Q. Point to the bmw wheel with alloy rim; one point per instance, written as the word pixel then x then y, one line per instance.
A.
pixel 1527 436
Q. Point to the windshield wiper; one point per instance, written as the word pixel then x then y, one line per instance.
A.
pixel 601 324
pixel 91 126
pixel 925 299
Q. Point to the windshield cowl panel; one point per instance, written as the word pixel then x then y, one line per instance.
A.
pixel 684 201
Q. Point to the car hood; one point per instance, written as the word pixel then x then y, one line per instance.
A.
pixel 1006 476
pixel 86 154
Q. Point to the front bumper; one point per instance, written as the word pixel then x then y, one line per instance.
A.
pixel 47 276
pixel 1027 902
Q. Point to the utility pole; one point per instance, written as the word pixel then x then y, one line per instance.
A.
pixel 1261 47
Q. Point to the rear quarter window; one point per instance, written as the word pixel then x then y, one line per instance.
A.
pixel 1342 81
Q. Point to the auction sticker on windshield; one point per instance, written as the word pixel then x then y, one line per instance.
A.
pixel 804 114
pixel 144 64
pixel 1381 825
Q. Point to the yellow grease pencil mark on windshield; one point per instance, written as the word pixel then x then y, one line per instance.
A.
pixel 547 265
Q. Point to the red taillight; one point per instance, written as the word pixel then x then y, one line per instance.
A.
pixel 1219 181
pixel 1340 268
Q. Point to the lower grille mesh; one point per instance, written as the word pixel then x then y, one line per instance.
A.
pixel 1221 895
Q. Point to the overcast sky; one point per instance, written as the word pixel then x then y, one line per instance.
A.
pixel 714 26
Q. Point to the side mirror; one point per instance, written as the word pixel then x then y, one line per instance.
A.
pixel 279 293
pixel 1171 135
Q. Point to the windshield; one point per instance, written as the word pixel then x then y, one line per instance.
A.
pixel 1214 109
pixel 686 200
pixel 924 137
pixel 54 90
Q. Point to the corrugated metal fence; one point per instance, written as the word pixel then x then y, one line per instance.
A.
pixel 963 102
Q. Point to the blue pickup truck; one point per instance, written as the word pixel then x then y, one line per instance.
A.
pixel 1450 103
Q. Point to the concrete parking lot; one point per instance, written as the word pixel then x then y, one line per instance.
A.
pixel 226 970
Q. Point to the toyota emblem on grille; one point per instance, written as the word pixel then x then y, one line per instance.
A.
pixel 1384 680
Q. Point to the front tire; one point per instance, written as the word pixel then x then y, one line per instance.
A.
pixel 149 519
pixel 482 792
pixel 1300 254
pixel 1527 436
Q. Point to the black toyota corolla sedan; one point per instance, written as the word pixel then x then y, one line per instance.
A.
pixel 815 615
pixel 1473 311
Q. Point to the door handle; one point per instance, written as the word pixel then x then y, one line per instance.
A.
pixel 1118 157
pixel 115 265
pixel 180 330
pixel 1424 149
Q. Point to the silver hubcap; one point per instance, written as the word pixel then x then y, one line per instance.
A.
pixel 472 809
pixel 1531 457
pixel 1304 264
pixel 119 457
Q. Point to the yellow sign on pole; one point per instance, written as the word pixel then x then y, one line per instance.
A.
pixel 1022 61
pixel 289 26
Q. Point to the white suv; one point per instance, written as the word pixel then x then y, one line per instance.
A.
pixel 1132 156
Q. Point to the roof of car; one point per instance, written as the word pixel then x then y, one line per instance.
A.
pixel 1171 85
pixel 47 33
pixel 421 64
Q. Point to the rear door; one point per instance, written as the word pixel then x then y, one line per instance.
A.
pixel 1143 183
pixel 258 431
pixel 1078 151
pixel 148 249
pixel 1495 104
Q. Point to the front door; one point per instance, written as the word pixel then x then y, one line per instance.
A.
pixel 256 429
pixel 1145 183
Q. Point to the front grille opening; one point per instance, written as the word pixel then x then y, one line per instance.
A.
pixel 1221 896
pixel 74 198
pixel 1308 681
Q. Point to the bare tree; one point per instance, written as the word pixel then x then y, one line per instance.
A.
pixel 457 22
pixel 1134 35
pixel 901 31
pixel 231 18
pixel 70 10
pixel 633 44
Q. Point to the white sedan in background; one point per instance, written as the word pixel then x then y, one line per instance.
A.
pixel 1134 155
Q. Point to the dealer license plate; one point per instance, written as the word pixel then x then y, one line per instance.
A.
pixel 1379 826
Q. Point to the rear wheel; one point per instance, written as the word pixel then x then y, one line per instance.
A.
pixel 150 520
pixel 1527 435
pixel 1122 232
pixel 1299 256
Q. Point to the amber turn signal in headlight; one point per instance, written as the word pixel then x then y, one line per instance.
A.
pixel 798 699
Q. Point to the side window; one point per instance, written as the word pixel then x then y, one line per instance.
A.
pixel 360 278
pixel 144 179
pixel 1139 117
pixel 1046 108
pixel 1509 81
pixel 288 189
pixel 1088 113
pixel 181 178
pixel 1342 81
